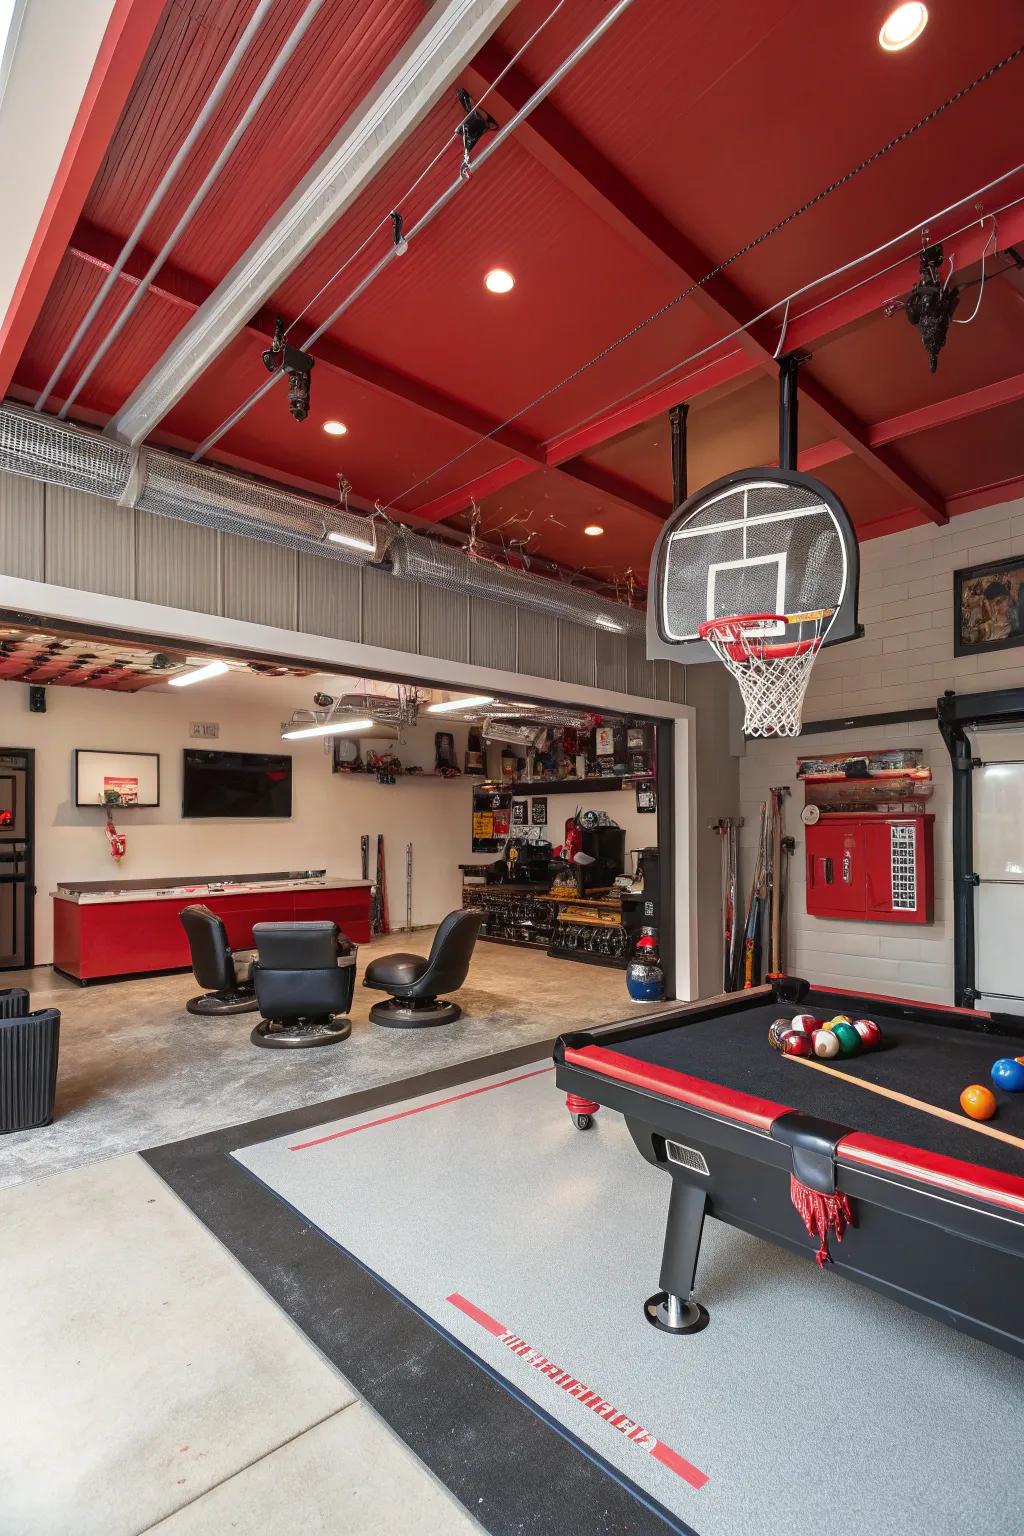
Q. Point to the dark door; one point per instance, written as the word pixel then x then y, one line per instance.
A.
pixel 16 860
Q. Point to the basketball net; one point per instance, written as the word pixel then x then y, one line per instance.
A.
pixel 770 655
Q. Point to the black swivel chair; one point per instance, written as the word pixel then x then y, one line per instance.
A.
pixel 414 981
pixel 305 976
pixel 228 975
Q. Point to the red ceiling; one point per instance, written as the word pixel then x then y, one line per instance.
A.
pixel 688 130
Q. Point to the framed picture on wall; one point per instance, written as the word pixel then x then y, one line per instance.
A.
pixel 116 779
pixel 988 607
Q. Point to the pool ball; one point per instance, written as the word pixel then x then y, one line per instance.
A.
pixel 849 1040
pixel 796 1044
pixel 1008 1073
pixel 869 1032
pixel 778 1029
pixel 840 1018
pixel 804 1023
pixel 978 1102
pixel 825 1043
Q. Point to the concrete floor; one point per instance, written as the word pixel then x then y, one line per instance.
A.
pixel 150 1385
pixel 137 1071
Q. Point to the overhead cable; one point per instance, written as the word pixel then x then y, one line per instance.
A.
pixel 158 194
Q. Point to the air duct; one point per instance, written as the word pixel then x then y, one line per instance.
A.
pixel 42 448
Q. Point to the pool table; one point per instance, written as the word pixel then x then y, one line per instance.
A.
pixel 930 1211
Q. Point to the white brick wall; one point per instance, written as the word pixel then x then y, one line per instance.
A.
pixel 904 662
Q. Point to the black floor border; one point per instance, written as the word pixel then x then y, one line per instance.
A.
pixel 513 1468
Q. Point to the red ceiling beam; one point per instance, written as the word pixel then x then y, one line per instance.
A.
pixel 127 36
pixel 98 248
pixel 941 413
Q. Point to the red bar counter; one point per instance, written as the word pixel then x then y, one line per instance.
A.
pixel 131 930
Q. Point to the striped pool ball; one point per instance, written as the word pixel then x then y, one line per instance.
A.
pixel 825 1043
pixel 795 1043
pixel 804 1023
pixel 778 1029
pixel 869 1032
pixel 840 1018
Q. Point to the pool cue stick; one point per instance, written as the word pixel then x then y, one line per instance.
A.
pixel 775 947
pixel 904 1098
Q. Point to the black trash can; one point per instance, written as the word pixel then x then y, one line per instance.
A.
pixel 29 1047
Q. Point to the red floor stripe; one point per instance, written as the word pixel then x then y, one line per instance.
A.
pixel 403 1114
pixel 635 1433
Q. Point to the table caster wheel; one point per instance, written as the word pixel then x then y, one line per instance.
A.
pixel 583 1122
pixel 673 1315
pixel 582 1110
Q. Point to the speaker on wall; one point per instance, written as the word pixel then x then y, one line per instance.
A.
pixel 37 699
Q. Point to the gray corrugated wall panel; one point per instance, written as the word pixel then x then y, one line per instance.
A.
pixel 444 624
pixel 176 563
pixel 663 679
pixel 90 543
pixel 330 598
pixel 639 671
pixel 492 635
pixel 390 610
pixel 538 644
pixel 611 661
pixel 258 582
pixel 677 682
pixel 22 538
pixel 577 653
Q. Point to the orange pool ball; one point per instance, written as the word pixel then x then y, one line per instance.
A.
pixel 978 1102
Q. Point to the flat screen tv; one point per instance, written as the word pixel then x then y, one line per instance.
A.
pixel 236 784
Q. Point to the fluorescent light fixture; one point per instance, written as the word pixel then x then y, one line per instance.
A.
pixel 351 542
pixel 903 26
pixel 608 623
pixel 468 703
pixel 593 530
pixel 499 281
pixel 335 428
pixel 332 728
pixel 200 675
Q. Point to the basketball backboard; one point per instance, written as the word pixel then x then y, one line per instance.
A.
pixel 756 541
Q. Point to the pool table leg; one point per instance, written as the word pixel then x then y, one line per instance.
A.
pixel 673 1308
pixel 582 1111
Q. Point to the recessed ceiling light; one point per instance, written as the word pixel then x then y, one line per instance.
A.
pixel 499 281
pixel 593 530
pixel 335 428
pixel 467 703
pixel 904 26
pixel 201 674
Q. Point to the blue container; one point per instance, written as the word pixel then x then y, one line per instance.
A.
pixel 645 980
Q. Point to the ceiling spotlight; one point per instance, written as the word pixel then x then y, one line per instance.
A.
pixel 335 428
pixel 351 542
pixel 333 728
pixel 593 530
pixel 499 281
pixel 904 26
pixel 468 703
pixel 200 675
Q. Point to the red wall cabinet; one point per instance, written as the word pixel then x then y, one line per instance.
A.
pixel 871 868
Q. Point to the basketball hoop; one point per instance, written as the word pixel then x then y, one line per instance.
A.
pixel 770 655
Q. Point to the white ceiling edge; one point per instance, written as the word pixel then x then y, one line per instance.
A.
pixel 444 43
pixel 12 13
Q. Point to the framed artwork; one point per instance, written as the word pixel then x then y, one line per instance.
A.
pixel 646 799
pixel 539 811
pixel 116 779
pixel 519 813
pixel 988 607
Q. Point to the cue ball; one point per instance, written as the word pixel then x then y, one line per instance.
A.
pixel 869 1032
pixel 1008 1073
pixel 825 1043
pixel 978 1102
pixel 849 1040
pixel 804 1023
pixel 796 1044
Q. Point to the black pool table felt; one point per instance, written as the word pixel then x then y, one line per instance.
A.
pixel 933 1063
